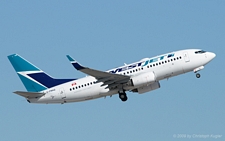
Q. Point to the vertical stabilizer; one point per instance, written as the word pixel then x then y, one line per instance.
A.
pixel 34 79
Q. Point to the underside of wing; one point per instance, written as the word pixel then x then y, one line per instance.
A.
pixel 29 94
pixel 110 79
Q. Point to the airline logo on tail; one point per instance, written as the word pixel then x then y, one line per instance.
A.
pixel 34 79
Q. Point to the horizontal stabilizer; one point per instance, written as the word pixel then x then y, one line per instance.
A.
pixel 29 94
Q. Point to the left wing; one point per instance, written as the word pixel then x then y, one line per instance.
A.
pixel 110 79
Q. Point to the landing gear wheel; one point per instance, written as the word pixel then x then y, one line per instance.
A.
pixel 123 97
pixel 198 75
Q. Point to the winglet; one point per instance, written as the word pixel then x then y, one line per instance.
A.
pixel 75 63
pixel 70 58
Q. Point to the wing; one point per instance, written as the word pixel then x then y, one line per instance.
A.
pixel 110 79
pixel 29 94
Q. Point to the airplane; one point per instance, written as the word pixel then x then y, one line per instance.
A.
pixel 139 77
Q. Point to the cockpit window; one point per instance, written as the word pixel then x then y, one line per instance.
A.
pixel 200 52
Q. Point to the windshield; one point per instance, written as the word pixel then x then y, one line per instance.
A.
pixel 200 52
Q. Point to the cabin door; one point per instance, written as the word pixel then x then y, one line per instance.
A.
pixel 186 57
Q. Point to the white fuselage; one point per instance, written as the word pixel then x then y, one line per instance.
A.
pixel 163 66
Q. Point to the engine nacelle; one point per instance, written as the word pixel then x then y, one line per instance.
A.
pixel 143 79
pixel 148 88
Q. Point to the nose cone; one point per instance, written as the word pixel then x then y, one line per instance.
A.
pixel 211 55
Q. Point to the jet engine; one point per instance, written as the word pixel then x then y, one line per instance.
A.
pixel 147 88
pixel 143 79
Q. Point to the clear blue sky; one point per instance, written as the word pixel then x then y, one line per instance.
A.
pixel 104 35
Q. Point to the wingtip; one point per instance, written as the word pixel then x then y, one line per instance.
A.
pixel 70 58
pixel 74 63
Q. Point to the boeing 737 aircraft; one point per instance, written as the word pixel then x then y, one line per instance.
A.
pixel 141 77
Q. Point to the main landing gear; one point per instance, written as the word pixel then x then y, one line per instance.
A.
pixel 123 96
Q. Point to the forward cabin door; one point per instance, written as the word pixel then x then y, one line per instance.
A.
pixel 186 65
pixel 186 57
pixel 62 93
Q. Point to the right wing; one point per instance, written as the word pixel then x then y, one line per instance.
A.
pixel 110 79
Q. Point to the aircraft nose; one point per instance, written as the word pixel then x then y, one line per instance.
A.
pixel 211 55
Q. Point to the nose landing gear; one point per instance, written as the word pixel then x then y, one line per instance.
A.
pixel 197 70
pixel 198 75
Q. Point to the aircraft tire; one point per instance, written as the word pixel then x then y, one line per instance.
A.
pixel 198 75
pixel 123 97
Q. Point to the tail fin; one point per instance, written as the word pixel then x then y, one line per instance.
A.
pixel 34 79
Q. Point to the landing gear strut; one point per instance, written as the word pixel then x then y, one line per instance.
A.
pixel 197 70
pixel 198 75
pixel 123 96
